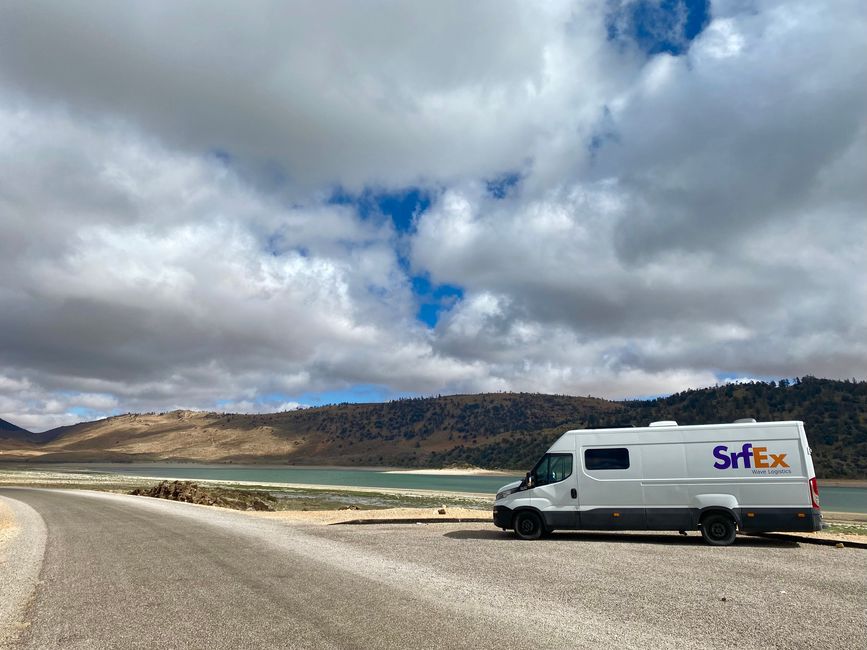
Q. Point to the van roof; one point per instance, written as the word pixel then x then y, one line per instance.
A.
pixel 691 427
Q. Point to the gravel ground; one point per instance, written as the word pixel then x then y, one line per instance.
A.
pixel 134 572
pixel 342 516
pixel 327 517
pixel 642 590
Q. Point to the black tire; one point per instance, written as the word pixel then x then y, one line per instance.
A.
pixel 718 529
pixel 528 525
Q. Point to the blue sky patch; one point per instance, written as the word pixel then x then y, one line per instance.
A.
pixel 88 413
pixel 401 207
pixel 434 299
pixel 361 393
pixel 657 26
pixel 501 186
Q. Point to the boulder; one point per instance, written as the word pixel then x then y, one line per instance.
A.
pixel 188 492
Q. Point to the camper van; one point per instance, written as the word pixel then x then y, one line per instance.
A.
pixel 746 476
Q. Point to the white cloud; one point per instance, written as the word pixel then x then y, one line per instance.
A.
pixel 166 237
pixel 34 408
pixel 721 40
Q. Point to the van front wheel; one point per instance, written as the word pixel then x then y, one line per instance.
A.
pixel 718 529
pixel 528 525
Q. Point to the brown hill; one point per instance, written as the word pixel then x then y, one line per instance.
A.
pixel 504 430
pixel 11 431
pixel 14 438
pixel 408 432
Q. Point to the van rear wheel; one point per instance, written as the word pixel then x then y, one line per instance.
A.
pixel 528 525
pixel 718 529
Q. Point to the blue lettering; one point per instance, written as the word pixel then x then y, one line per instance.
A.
pixel 720 453
pixel 744 455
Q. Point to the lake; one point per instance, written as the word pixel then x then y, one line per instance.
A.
pixel 368 478
pixel 837 499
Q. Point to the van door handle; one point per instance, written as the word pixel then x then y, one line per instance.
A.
pixel 574 493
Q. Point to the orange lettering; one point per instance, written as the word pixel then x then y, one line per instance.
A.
pixel 760 458
pixel 778 460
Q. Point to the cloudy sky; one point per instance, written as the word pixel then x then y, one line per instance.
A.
pixel 255 205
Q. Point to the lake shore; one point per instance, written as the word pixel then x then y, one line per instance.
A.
pixel 842 482
pixel 451 472
pixel 30 477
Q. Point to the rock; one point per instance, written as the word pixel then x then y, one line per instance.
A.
pixel 838 545
pixel 261 505
pixel 188 492
pixel 441 511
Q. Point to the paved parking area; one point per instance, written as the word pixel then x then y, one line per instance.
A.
pixel 121 571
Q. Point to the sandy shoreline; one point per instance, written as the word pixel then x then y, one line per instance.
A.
pixel 842 482
pixel 451 472
pixel 9 461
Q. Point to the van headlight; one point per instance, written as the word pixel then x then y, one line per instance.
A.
pixel 505 493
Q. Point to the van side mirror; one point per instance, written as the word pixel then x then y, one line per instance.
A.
pixel 529 480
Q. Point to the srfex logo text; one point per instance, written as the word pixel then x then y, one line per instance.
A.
pixel 749 456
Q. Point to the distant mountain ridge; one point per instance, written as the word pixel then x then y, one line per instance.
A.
pixel 495 430
pixel 9 430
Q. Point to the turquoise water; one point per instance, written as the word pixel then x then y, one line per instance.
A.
pixel 309 476
pixel 840 499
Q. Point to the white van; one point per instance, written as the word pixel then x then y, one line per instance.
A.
pixel 718 478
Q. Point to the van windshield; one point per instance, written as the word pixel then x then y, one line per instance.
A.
pixel 552 468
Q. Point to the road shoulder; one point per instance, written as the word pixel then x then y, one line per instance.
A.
pixel 22 548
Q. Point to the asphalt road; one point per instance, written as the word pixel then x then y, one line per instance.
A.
pixel 133 572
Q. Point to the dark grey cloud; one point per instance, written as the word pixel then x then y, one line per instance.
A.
pixel 342 93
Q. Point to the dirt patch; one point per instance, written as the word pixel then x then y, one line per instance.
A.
pixel 190 492
pixel 8 529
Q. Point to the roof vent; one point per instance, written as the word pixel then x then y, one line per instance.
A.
pixel 664 423
pixel 746 421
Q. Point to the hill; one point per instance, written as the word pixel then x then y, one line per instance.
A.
pixel 503 430
pixel 10 431
pixel 407 432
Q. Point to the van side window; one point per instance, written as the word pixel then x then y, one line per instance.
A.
pixel 552 468
pixel 614 458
